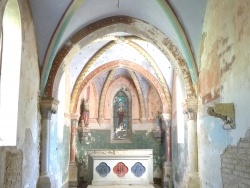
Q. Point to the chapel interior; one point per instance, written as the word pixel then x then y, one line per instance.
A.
pixel 124 93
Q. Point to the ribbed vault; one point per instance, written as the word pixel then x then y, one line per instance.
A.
pixel 111 66
pixel 83 37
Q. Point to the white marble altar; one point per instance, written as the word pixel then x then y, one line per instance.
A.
pixel 121 167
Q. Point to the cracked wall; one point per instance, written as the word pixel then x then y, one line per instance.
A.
pixel 223 78
pixel 11 167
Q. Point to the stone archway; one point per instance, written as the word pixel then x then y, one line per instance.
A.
pixel 108 66
pixel 115 24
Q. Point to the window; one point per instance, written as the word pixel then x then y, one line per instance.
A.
pixel 10 73
pixel 121 117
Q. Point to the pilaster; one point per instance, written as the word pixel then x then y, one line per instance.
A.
pixel 167 166
pixel 72 164
pixel 190 107
pixel 74 125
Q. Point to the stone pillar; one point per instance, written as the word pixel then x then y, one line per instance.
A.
pixel 190 107
pixel 167 166
pixel 72 164
pixel 48 107
pixel 74 125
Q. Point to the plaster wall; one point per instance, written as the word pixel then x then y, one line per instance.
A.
pixel 60 128
pixel 179 149
pixel 224 78
pixel 28 126
pixel 2 7
pixel 154 104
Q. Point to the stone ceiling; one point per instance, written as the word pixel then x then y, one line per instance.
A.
pixel 158 36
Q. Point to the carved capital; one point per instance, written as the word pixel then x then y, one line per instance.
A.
pixel 48 107
pixel 166 118
pixel 74 119
pixel 190 107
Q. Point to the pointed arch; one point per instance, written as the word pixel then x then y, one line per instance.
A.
pixel 73 7
pixel 122 115
pixel 103 94
pixel 112 65
pixel 115 24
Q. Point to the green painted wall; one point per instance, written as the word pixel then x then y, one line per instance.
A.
pixel 100 139
pixel 59 153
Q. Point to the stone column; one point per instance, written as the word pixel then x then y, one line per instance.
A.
pixel 72 164
pixel 48 107
pixel 167 166
pixel 190 107
pixel 74 125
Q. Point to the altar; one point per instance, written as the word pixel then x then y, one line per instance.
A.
pixel 121 167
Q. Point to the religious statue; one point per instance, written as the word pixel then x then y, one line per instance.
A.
pixel 85 113
pixel 158 121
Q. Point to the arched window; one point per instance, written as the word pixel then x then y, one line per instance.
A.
pixel 121 116
pixel 10 73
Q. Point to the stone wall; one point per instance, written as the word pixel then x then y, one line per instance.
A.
pixel 60 135
pixel 235 164
pixel 11 167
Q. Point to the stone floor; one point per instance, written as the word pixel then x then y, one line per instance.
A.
pixel 157 184
pixel 125 186
pixel 85 185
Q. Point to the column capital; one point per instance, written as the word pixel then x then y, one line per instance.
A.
pixel 74 118
pixel 48 107
pixel 166 117
pixel 190 107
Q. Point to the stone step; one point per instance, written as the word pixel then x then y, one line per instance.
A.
pixel 122 186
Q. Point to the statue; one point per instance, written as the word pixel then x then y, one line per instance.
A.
pixel 85 113
pixel 158 121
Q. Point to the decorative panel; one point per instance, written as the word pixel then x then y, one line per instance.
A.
pixel 103 169
pixel 138 169
pixel 120 169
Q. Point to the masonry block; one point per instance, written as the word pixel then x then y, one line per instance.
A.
pixel 11 160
